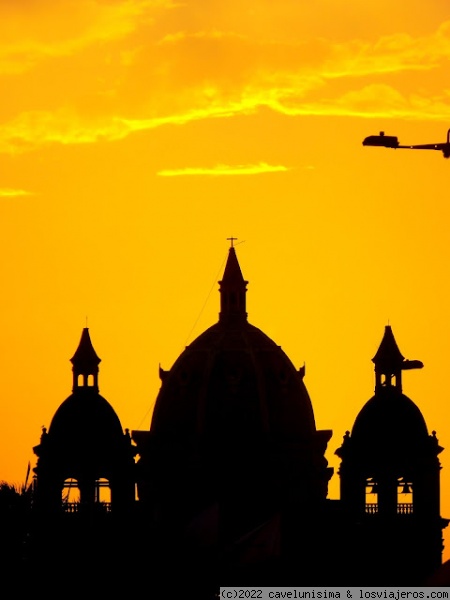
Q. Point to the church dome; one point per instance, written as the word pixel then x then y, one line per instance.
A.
pixel 85 427
pixel 233 381
pixel 85 448
pixel 389 417
pixel 389 423
pixel 85 417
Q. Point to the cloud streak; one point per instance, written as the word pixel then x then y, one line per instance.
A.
pixel 32 130
pixel 220 170
pixel 12 193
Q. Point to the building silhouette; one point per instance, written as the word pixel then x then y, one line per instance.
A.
pixel 84 489
pixel 389 479
pixel 232 481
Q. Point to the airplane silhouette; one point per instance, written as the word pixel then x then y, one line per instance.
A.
pixel 390 141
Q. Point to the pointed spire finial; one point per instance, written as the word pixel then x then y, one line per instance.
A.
pixel 388 355
pixel 233 288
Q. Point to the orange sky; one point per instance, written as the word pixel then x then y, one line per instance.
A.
pixel 137 135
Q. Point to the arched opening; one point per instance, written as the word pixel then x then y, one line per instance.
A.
pixel 90 380
pixel 371 492
pixel 103 493
pixel 71 495
pixel 386 379
pixel 404 496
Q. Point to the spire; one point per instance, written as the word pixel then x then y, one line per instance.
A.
pixel 233 289
pixel 388 355
pixel 390 362
pixel 85 363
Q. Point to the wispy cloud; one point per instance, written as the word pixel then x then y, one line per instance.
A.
pixel 374 101
pixel 12 193
pixel 36 128
pixel 32 130
pixel 225 170
pixel 179 78
pixel 48 29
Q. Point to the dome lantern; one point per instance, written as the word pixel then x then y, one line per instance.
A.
pixel 389 362
pixel 85 363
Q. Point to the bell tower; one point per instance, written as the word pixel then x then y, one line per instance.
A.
pixel 85 459
pixel 389 478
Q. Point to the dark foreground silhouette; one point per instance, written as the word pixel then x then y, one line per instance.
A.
pixel 231 478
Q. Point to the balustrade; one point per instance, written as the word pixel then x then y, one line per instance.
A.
pixel 76 507
pixel 402 508
pixel 405 508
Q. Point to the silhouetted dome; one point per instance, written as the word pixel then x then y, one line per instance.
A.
pixel 85 447
pixel 389 420
pixel 86 418
pixel 233 381
pixel 389 423
pixel 85 422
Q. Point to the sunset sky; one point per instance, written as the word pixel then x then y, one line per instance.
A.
pixel 137 135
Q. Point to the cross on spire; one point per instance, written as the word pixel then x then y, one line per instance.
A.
pixel 232 239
